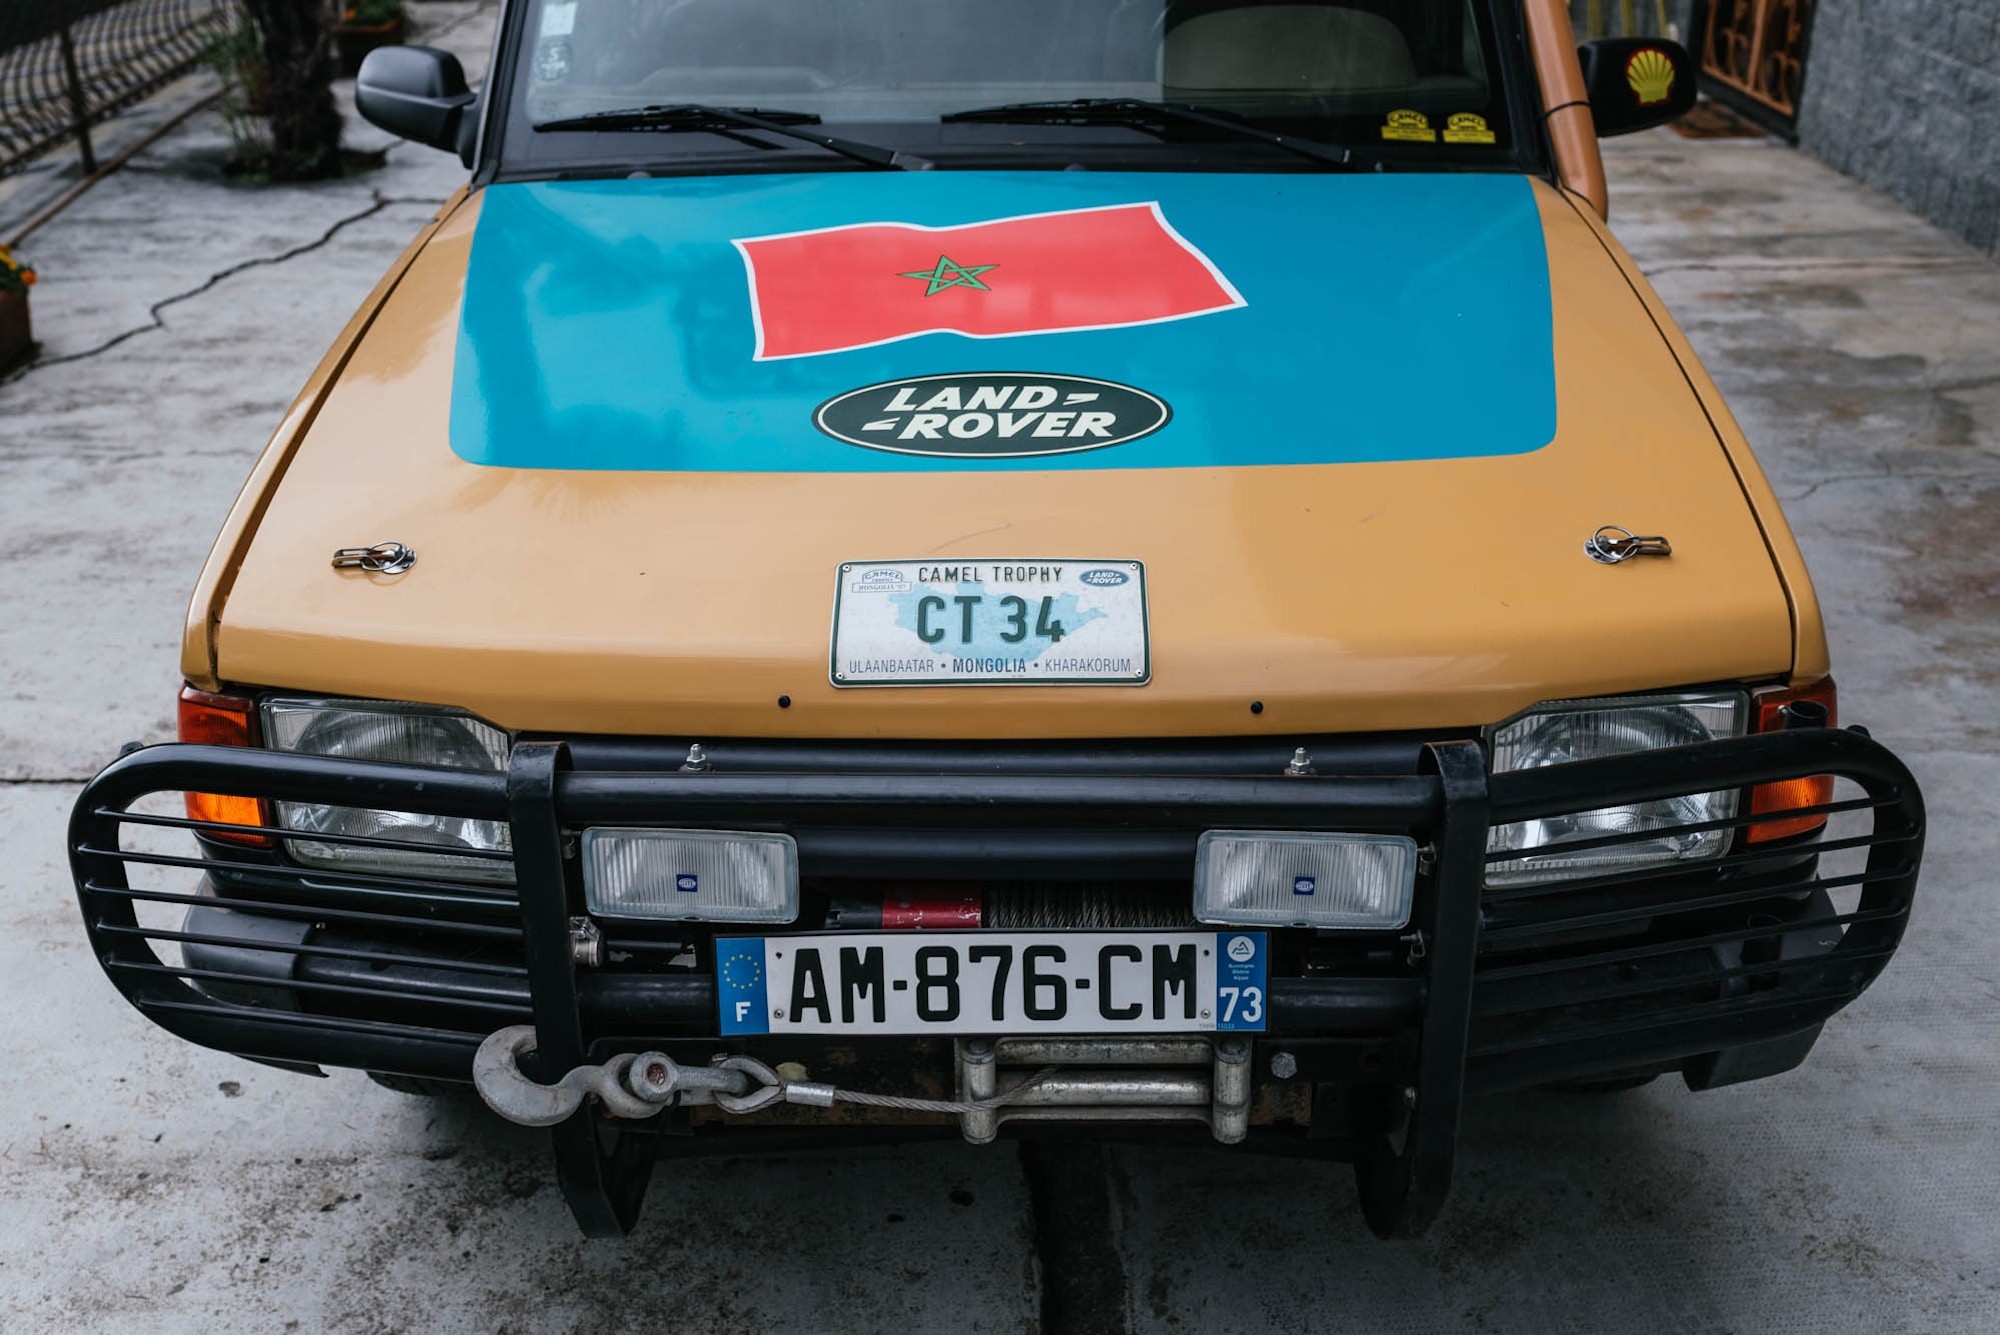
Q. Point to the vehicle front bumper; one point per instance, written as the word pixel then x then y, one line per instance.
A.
pixel 1724 973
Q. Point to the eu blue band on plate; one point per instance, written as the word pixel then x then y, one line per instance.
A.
pixel 739 985
pixel 614 324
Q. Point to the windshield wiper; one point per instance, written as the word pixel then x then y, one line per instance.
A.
pixel 694 116
pixel 1141 114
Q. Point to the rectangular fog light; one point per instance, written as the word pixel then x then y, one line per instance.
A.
pixel 1276 878
pixel 691 875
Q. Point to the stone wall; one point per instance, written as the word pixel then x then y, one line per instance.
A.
pixel 1905 95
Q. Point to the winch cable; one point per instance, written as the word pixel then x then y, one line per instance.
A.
pixel 638 1086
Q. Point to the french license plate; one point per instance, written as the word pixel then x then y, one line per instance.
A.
pixel 965 983
pixel 1019 622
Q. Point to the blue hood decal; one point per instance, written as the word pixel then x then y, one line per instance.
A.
pixel 1308 319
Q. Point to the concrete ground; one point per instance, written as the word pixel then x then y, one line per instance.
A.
pixel 146 1184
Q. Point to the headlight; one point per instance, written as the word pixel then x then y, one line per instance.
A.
pixel 406 734
pixel 1585 730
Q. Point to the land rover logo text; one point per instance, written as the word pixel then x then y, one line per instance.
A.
pixel 997 414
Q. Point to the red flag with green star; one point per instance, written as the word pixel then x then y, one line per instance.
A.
pixel 857 286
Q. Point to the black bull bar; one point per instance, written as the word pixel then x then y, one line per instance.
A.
pixel 406 974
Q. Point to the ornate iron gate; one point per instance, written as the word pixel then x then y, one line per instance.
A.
pixel 1757 48
pixel 1619 18
pixel 67 64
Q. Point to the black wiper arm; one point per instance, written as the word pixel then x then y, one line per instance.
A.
pixel 1141 114
pixel 694 116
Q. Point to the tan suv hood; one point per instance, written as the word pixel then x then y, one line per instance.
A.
pixel 1367 509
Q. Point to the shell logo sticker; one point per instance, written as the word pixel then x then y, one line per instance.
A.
pixel 1411 127
pixel 1467 127
pixel 1651 74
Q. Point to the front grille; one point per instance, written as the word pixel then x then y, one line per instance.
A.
pixel 408 973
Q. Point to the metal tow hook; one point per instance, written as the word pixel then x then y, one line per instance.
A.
pixel 628 1086
pixel 496 1074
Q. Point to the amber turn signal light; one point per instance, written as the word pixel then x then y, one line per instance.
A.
pixel 1816 705
pixel 222 720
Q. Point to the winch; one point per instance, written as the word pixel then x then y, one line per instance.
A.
pixel 999 1080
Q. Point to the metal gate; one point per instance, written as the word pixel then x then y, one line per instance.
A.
pixel 1620 18
pixel 1757 48
pixel 67 64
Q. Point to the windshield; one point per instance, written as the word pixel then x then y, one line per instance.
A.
pixel 1394 77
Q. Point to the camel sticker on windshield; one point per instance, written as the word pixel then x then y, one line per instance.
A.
pixel 833 289
pixel 1409 127
pixel 1466 127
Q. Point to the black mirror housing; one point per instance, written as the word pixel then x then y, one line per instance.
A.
pixel 418 93
pixel 1636 83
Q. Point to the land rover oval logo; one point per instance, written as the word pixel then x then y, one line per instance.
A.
pixel 996 415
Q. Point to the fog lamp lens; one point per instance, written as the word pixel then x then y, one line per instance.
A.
pixel 1271 878
pixel 691 875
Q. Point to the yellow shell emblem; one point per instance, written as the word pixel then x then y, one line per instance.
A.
pixel 1651 75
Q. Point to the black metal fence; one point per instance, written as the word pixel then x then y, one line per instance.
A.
pixel 65 65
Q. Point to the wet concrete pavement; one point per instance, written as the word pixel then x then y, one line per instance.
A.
pixel 148 1184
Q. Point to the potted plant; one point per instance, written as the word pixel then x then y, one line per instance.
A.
pixel 16 334
pixel 364 25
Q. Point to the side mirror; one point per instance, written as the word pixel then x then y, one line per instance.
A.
pixel 418 93
pixel 1635 83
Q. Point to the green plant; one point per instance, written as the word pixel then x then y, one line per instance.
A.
pixel 15 276
pixel 237 57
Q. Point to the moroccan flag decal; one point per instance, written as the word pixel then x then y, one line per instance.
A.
pixel 857 286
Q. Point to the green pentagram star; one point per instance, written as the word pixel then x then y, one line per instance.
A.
pixel 949 274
